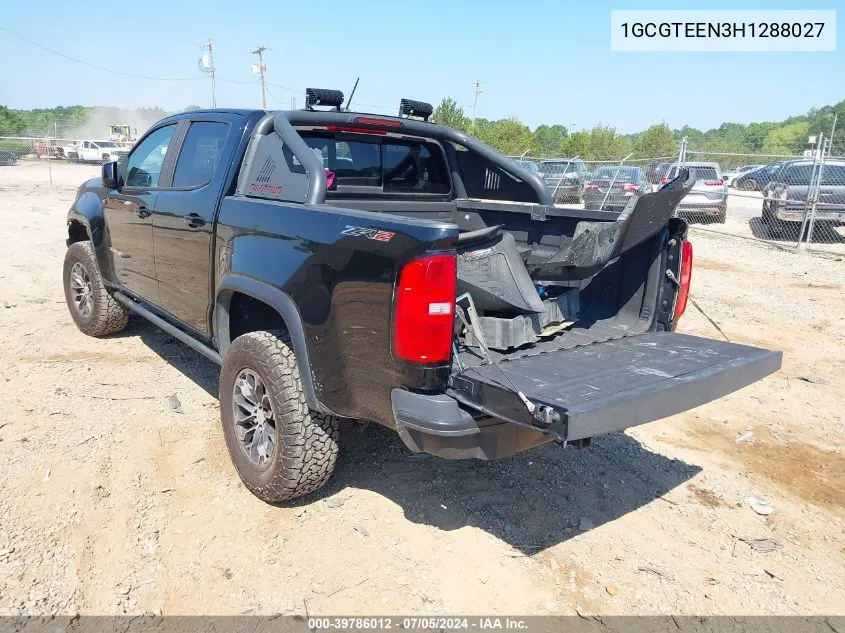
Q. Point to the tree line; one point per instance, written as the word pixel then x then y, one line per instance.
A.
pixel 602 142
pixel 512 137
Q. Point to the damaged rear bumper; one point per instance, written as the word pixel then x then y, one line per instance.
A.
pixel 437 424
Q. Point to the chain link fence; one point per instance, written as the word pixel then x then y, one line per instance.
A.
pixel 789 201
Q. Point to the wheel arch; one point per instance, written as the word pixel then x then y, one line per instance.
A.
pixel 233 285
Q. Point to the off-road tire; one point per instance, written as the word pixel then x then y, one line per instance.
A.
pixel 306 441
pixel 107 316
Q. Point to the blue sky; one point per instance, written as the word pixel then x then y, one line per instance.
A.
pixel 540 61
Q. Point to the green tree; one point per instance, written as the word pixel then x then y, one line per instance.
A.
pixel 509 136
pixel 450 114
pixel 578 144
pixel 11 122
pixel 787 139
pixel 655 142
pixel 549 139
pixel 605 144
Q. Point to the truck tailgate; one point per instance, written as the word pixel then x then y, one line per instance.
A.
pixel 613 385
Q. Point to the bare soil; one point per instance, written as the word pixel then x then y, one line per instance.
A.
pixel 111 501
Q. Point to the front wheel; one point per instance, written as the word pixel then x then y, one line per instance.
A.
pixel 280 447
pixel 94 310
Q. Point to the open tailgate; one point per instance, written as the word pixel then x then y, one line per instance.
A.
pixel 612 385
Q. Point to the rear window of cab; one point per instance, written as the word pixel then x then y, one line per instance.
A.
pixel 390 164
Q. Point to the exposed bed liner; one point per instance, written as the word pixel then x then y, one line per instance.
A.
pixel 576 336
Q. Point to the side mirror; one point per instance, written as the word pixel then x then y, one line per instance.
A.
pixel 111 176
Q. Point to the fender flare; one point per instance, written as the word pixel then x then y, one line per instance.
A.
pixel 281 303
pixel 87 210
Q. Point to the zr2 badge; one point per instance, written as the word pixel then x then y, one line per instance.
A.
pixel 370 234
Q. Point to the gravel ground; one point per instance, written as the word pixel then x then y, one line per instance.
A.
pixel 114 502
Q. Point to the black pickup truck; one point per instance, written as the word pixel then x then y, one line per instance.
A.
pixel 340 264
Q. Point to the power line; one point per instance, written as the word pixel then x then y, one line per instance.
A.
pixel 102 68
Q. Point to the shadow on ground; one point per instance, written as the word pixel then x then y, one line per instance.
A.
pixel 788 236
pixel 194 365
pixel 531 501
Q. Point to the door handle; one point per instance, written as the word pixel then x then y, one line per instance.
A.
pixel 143 212
pixel 194 220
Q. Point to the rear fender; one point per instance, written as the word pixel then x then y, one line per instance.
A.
pixel 286 308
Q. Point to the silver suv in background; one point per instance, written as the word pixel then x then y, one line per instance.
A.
pixel 708 199
pixel 565 178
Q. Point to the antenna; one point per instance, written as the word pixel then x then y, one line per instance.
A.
pixel 349 101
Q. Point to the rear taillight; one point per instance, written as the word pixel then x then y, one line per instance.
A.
pixel 684 279
pixel 629 187
pixel 664 181
pixel 591 185
pixel 719 182
pixel 425 309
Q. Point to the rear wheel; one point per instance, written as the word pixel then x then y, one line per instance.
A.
pixel 280 447
pixel 94 310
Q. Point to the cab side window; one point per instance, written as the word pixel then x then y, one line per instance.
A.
pixel 200 153
pixel 143 168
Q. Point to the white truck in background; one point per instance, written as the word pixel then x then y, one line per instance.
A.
pixel 95 151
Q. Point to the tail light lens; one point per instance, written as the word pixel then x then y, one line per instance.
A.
pixel 719 182
pixel 684 278
pixel 425 309
pixel 629 186
pixel 591 185
pixel 664 181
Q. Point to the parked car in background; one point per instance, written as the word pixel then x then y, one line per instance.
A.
pixel 786 196
pixel 612 188
pixel 733 174
pixel 708 198
pixel 660 173
pixel 565 178
pixel 757 180
pixel 656 171
pixel 531 166
pixel 8 158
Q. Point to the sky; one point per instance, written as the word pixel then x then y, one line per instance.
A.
pixel 541 61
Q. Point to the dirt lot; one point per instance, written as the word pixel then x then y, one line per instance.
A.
pixel 111 501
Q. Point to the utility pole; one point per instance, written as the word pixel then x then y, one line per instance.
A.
pixel 207 66
pixel 213 78
pixel 476 92
pixel 260 69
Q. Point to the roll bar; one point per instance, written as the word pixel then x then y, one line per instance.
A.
pixel 283 122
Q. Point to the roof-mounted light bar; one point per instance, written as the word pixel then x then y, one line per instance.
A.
pixel 323 97
pixel 421 109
